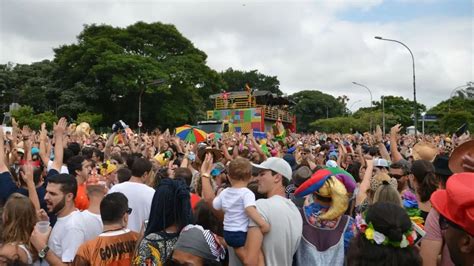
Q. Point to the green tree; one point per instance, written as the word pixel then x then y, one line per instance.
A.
pixel 453 120
pixel 441 110
pixel 351 124
pixel 311 105
pixel 25 115
pixel 401 107
pixel 31 85
pixel 236 80
pixel 92 118
pixel 108 68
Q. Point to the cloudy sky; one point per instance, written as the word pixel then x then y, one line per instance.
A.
pixel 323 45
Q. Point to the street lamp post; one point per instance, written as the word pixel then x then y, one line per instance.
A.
pixel 371 100
pixel 414 83
pixel 423 123
pixel 358 101
pixel 383 114
pixel 153 82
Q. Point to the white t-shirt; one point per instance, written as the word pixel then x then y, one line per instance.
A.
pixel 92 225
pixel 139 198
pixel 64 169
pixel 67 236
pixel 280 244
pixel 233 202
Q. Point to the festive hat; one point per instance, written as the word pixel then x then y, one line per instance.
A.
pixel 456 202
pixel 333 183
pixel 317 180
pixel 314 183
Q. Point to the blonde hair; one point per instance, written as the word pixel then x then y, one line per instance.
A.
pixel 386 193
pixel 19 220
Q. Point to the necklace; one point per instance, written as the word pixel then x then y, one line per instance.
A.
pixel 117 229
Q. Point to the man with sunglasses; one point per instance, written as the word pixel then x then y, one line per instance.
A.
pixel 400 172
pixel 455 204
pixel 116 244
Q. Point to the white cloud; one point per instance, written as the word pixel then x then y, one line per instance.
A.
pixel 304 43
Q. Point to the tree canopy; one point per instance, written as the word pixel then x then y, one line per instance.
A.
pixel 236 80
pixel 108 68
pixel 311 105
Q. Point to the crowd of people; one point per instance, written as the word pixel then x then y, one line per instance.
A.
pixel 70 197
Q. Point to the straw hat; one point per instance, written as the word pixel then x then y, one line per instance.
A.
pixel 424 151
pixel 455 161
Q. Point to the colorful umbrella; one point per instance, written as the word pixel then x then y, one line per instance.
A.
pixel 215 136
pixel 191 134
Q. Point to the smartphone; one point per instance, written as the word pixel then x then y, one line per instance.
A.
pixel 420 233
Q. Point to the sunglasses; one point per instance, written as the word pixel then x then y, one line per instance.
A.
pixel 395 176
pixel 129 211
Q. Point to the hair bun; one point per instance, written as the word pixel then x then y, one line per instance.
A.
pixel 395 234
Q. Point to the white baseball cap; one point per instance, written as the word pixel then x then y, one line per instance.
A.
pixel 380 162
pixel 277 165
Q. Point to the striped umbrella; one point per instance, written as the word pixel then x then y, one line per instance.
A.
pixel 215 136
pixel 191 134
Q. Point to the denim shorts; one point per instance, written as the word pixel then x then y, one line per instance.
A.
pixel 235 239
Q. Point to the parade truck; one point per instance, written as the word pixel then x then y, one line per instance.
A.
pixel 243 111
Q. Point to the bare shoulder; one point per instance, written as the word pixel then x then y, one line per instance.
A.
pixel 12 252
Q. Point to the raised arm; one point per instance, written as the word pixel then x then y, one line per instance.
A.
pixel 3 166
pixel 207 192
pixel 43 150
pixel 257 147
pixel 396 155
pixel 225 151
pixel 365 184
pixel 13 143
pixel 27 176
pixel 26 134
pixel 59 130
pixel 341 158
pixel 108 146
pixel 379 140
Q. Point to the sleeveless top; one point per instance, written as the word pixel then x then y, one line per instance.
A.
pixel 28 253
pixel 322 246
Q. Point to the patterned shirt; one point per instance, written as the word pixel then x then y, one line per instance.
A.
pixel 155 249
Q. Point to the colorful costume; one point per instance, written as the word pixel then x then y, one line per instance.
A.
pixel 326 230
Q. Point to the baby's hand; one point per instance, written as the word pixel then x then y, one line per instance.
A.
pixel 265 228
